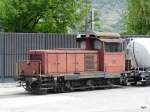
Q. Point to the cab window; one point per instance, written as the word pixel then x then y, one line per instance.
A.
pixel 83 44
pixel 97 44
pixel 113 47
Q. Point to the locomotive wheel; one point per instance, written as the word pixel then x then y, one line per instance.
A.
pixel 109 82
pixel 144 83
pixel 68 86
pixel 90 84
pixel 125 83
pixel 36 89
pixel 123 80
pixel 60 88
pixel 27 86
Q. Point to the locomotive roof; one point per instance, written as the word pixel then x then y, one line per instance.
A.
pixel 102 36
pixel 112 40
pixel 109 35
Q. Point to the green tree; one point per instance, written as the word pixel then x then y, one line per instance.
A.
pixel 86 23
pixel 137 20
pixel 97 21
pixel 54 16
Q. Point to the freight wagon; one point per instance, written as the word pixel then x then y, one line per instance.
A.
pixel 99 61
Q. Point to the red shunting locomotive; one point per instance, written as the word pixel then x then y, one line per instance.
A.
pixel 99 61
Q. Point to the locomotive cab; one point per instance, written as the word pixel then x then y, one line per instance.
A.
pixel 110 49
pixel 113 56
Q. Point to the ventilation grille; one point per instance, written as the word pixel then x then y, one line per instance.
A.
pixel 89 63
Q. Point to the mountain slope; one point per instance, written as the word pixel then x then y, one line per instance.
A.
pixel 112 12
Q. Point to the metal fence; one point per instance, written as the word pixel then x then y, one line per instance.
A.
pixel 14 47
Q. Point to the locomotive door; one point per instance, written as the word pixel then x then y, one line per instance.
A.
pixel 56 63
pixel 61 63
pixel 79 62
pixel 52 63
pixel 70 62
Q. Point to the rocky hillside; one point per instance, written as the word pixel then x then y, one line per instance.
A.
pixel 112 12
